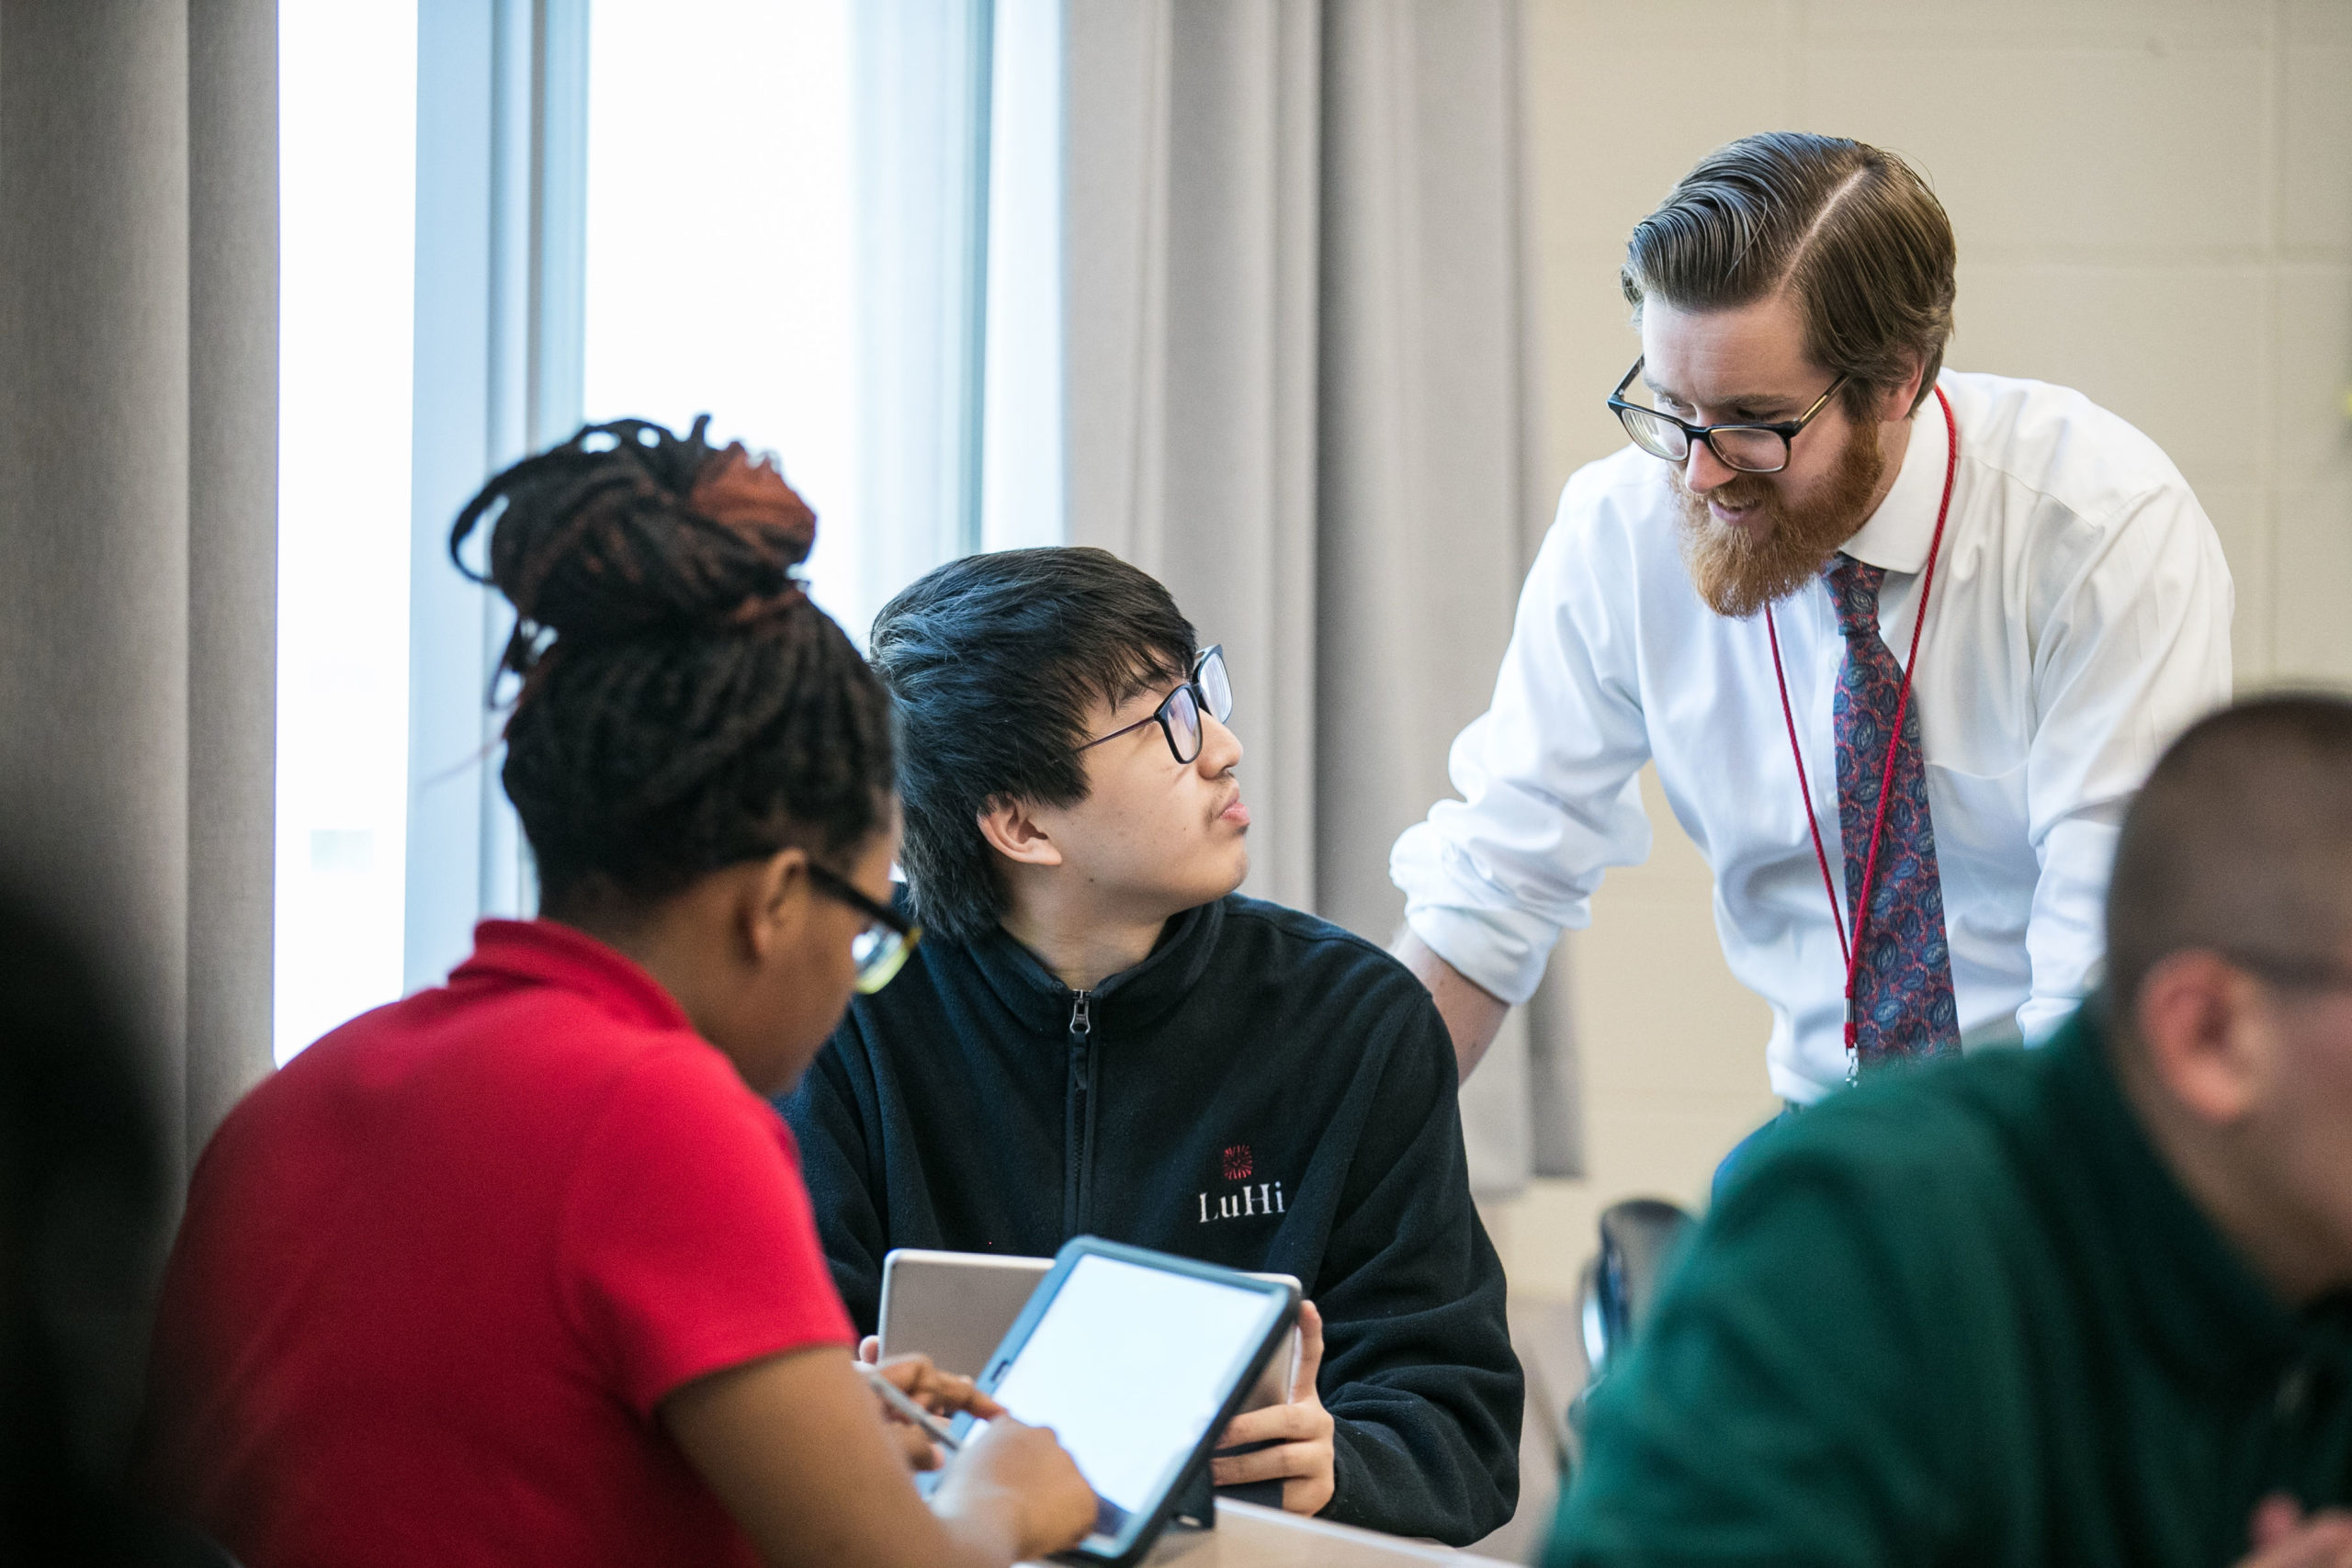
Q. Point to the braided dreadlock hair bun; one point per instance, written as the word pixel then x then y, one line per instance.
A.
pixel 684 706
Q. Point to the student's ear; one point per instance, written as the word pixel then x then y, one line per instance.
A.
pixel 2209 1039
pixel 1012 828
pixel 775 904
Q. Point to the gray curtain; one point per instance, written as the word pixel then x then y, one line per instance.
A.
pixel 1300 391
pixel 138 508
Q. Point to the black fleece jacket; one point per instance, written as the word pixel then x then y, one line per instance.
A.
pixel 1267 1092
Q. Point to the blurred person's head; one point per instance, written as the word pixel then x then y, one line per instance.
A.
pixel 2229 982
pixel 700 758
pixel 82 1216
pixel 1788 277
pixel 1027 684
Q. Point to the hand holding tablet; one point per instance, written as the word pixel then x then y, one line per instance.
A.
pixel 1298 1433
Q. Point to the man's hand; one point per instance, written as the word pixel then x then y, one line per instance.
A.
pixel 2285 1537
pixel 942 1394
pixel 1473 1015
pixel 1301 1431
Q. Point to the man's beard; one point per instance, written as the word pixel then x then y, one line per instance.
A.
pixel 1737 574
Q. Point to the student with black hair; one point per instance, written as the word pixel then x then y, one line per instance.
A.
pixel 1098 1035
pixel 520 1269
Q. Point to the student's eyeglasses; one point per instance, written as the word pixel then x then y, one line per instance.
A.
pixel 1750 449
pixel 1178 713
pixel 879 951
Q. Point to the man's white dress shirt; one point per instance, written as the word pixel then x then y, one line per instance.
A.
pixel 2080 620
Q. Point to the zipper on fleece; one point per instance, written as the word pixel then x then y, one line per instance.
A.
pixel 1077 1115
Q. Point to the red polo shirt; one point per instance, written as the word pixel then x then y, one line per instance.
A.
pixel 436 1274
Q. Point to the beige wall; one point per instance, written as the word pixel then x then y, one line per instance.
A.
pixel 2154 203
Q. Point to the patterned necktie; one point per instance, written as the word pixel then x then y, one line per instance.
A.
pixel 1903 1002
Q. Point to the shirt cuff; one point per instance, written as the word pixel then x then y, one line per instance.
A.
pixel 1502 951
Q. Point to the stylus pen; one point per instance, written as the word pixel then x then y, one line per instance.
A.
pixel 932 1425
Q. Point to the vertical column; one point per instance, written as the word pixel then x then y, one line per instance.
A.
pixel 501 225
pixel 1021 419
pixel 922 96
pixel 448 670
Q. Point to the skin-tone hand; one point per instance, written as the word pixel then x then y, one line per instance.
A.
pixel 1300 1430
pixel 942 1394
pixel 1473 1015
pixel 1009 1467
pixel 793 1449
pixel 2283 1536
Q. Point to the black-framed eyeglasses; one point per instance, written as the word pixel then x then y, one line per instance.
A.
pixel 1178 713
pixel 2289 973
pixel 1750 449
pixel 880 949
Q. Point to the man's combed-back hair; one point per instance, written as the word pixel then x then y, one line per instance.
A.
pixel 994 662
pixel 2240 842
pixel 684 706
pixel 1852 232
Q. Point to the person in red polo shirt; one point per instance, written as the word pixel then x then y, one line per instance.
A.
pixel 520 1269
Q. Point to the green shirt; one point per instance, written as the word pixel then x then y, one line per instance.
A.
pixel 1965 1316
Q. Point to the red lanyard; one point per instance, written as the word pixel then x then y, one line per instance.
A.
pixel 1852 950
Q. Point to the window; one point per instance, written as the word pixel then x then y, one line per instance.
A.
pixel 346 168
pixel 832 224
pixel 722 240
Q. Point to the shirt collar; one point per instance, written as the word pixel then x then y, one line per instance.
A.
pixel 1128 1001
pixel 1899 533
pixel 547 952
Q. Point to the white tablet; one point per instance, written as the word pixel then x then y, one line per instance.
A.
pixel 1136 1359
pixel 952 1306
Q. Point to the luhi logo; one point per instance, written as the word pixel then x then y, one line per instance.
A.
pixel 1264 1198
pixel 1238 1163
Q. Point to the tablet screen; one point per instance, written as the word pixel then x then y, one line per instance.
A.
pixel 1128 1366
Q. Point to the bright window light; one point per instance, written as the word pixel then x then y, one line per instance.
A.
pixel 721 243
pixel 348 245
pixel 1021 488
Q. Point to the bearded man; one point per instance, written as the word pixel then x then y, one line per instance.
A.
pixel 1902 642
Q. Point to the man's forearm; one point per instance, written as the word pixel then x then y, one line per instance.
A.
pixel 1473 1015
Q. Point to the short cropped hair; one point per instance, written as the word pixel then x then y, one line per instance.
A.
pixel 993 663
pixel 2240 842
pixel 1853 232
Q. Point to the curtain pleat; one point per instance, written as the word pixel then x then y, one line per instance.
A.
pixel 1299 386
pixel 138 502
